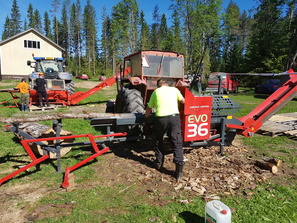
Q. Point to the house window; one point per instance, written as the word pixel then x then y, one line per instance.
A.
pixel 32 44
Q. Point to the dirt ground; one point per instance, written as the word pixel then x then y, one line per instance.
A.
pixel 206 173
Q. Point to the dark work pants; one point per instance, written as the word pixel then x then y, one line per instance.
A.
pixel 43 94
pixel 170 125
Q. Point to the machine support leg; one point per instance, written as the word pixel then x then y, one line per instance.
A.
pixel 57 126
pixel 69 169
pixel 223 135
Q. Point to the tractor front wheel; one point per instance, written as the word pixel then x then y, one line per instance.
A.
pixel 70 87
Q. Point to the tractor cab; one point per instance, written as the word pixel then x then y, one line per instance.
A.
pixel 146 68
pixel 53 69
pixel 50 68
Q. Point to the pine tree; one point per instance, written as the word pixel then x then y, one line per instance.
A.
pixel 30 16
pixel 38 21
pixel 90 35
pixel 144 33
pixel 75 34
pixel 176 33
pixel 15 19
pixel 163 34
pixel 125 21
pixel 56 6
pixel 291 36
pixel 206 37
pixel 47 26
pixel 106 44
pixel 245 32
pixel 186 11
pixel 56 27
pixel 34 18
pixel 266 50
pixel 25 25
pixel 64 28
pixel 155 27
pixel 7 29
pixel 231 38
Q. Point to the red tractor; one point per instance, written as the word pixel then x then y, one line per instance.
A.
pixel 146 68
pixel 205 119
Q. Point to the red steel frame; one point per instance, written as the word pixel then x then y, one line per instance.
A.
pixel 25 143
pixel 14 98
pixel 64 98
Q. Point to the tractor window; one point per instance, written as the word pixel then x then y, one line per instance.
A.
pixel 38 68
pixel 163 66
pixel 51 66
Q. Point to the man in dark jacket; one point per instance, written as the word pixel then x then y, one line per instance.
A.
pixel 41 89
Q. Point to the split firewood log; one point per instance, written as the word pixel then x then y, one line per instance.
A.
pixel 274 161
pixel 266 165
pixel 37 130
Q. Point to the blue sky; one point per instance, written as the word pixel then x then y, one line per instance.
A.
pixel 146 5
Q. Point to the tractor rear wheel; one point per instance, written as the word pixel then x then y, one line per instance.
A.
pixel 129 101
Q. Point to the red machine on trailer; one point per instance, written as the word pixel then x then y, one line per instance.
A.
pixel 65 98
pixel 58 95
pixel 205 119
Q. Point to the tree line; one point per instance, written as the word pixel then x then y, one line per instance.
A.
pixel 263 39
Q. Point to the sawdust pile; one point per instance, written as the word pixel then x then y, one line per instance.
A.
pixel 206 172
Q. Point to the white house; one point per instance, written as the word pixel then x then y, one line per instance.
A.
pixel 17 50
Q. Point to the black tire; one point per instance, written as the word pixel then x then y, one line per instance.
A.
pixel 129 101
pixel 70 87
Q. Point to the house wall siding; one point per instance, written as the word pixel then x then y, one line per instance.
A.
pixel 14 55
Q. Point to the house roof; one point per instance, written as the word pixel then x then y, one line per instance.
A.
pixel 36 33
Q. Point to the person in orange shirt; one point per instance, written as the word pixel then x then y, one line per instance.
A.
pixel 25 96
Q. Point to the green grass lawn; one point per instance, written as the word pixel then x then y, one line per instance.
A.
pixel 274 200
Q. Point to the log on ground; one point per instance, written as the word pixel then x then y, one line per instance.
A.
pixel 37 130
pixel 274 161
pixel 267 166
